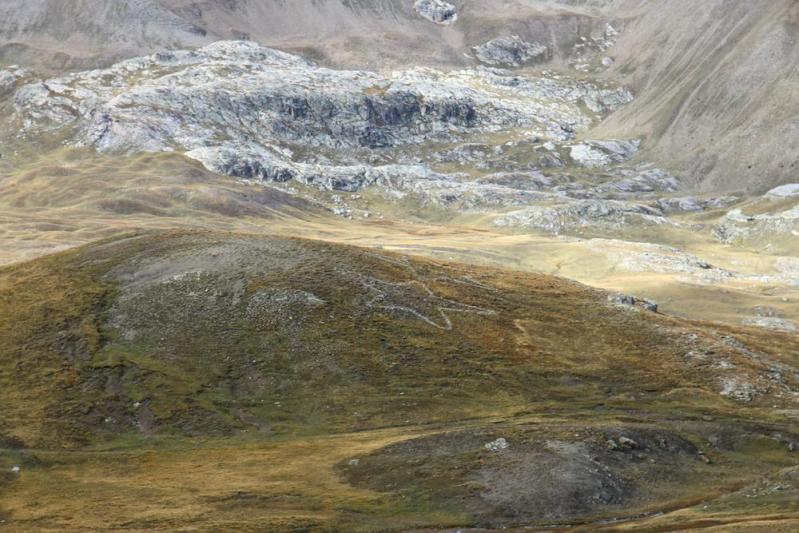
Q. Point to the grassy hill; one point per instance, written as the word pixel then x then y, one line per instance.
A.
pixel 218 381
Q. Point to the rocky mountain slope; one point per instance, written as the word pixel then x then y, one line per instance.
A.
pixel 712 80
pixel 711 77
pixel 502 150
pixel 367 32
pixel 418 265
pixel 186 345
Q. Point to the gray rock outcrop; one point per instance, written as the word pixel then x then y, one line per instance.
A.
pixel 254 112
pixel 575 215
pixel 593 154
pixel 511 51
pixel 437 11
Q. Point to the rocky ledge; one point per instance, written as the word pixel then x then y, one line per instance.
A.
pixel 511 51
pixel 240 91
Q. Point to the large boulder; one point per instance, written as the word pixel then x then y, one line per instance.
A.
pixel 437 11
pixel 511 52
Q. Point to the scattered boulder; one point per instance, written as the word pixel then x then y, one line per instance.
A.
pixel 650 305
pixel 622 299
pixel 688 204
pixel 622 444
pixel 497 445
pixel 437 11
pixel 594 154
pixel 625 300
pixel 511 52
pixel 639 180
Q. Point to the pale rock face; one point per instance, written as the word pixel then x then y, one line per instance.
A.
pixel 239 91
pixel 785 191
pixel 243 110
pixel 437 11
pixel 687 204
pixel 594 154
pixel 631 302
pixel 642 180
pixel 737 227
pixel 582 214
pixel 252 112
pixel 430 187
pixel 511 52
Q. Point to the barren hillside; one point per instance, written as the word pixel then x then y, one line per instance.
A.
pixel 716 89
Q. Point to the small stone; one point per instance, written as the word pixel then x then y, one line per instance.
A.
pixel 628 443
pixel 622 299
pixel 649 305
pixel 354 462
pixel 595 154
pixel 497 445
pixel 15 469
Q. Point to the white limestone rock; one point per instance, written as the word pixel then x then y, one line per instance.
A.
pixel 497 445
pixel 595 154
pixel 784 191
pixel 241 92
pixel 688 204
